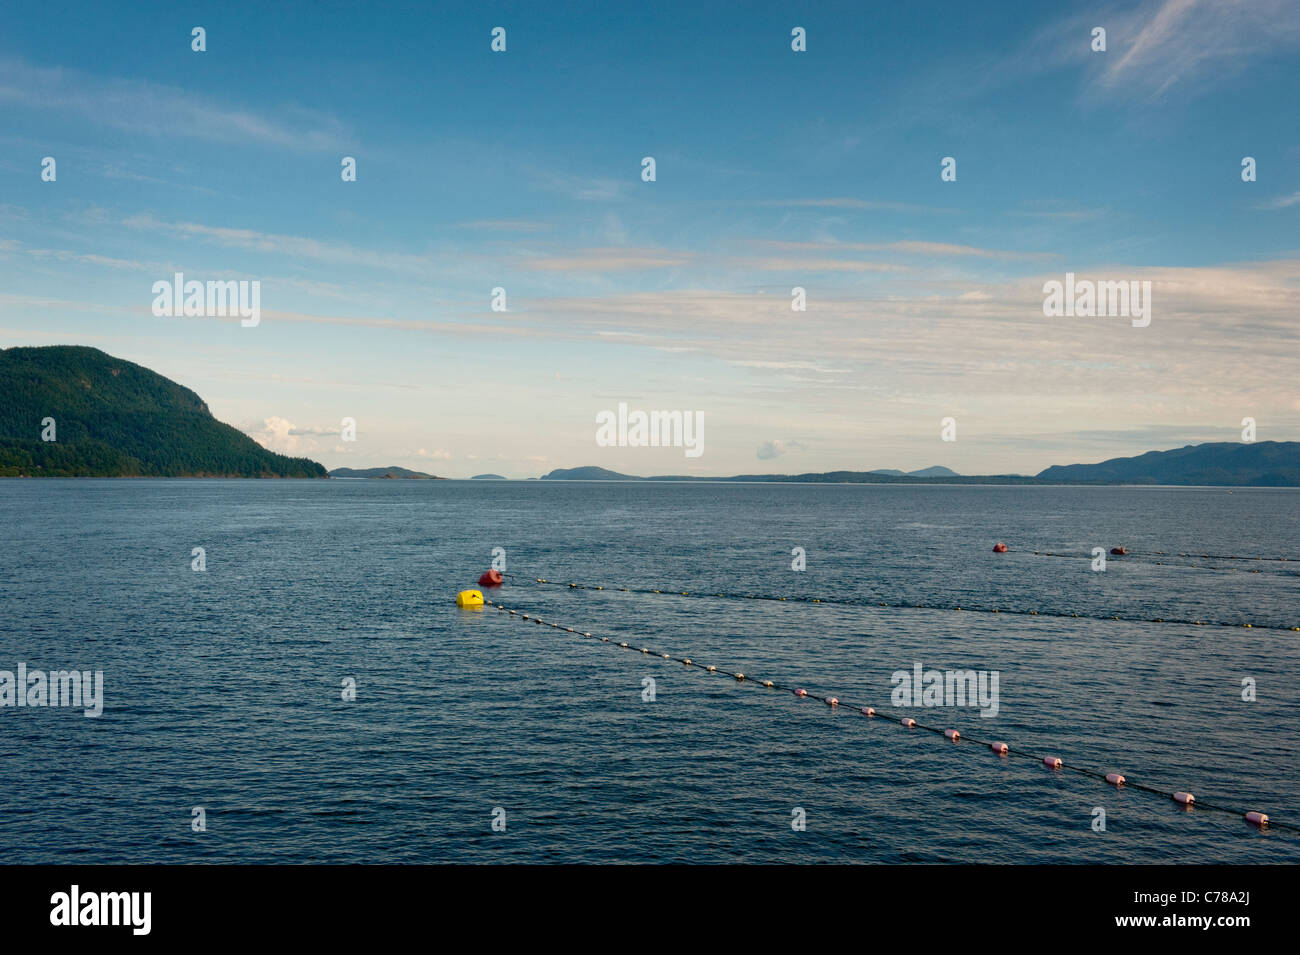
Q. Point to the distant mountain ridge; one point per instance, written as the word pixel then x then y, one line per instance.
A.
pixel 1227 464
pixel 114 418
pixel 590 473
pixel 593 473
pixel 936 471
pixel 1224 463
pixel 389 472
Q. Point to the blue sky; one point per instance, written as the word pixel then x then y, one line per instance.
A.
pixel 775 169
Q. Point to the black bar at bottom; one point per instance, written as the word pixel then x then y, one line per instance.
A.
pixel 335 904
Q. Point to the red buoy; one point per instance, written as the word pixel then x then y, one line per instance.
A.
pixel 1119 551
pixel 490 578
pixel 999 548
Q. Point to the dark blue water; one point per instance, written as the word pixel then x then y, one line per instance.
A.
pixel 223 688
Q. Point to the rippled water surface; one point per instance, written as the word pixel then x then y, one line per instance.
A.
pixel 223 688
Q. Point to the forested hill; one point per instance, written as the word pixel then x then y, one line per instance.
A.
pixel 114 418
pixel 1232 463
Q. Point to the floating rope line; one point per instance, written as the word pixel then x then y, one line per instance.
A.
pixel 1188 553
pixel 1117 780
pixel 904 605
pixel 1161 553
pixel 1153 554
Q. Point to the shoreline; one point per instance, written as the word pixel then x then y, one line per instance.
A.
pixel 663 481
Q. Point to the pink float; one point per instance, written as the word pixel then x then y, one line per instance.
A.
pixel 1052 762
pixel 1115 779
pixel 999 748
pixel 952 734
pixel 1186 799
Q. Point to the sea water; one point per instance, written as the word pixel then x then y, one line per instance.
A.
pixel 225 734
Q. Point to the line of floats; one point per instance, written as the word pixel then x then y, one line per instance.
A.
pixel 474 598
pixel 485 581
pixel 494 578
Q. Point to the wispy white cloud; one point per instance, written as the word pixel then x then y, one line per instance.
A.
pixel 506 225
pixel 1281 202
pixel 908 247
pixel 839 202
pixel 335 253
pixel 1189 44
pixel 106 261
pixel 167 111
pixel 791 366
pixel 797 264
pixel 1154 48
pixel 585 188
pixel 609 260
pixel 1055 209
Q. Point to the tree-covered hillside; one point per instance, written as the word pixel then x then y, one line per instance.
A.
pixel 1232 463
pixel 113 418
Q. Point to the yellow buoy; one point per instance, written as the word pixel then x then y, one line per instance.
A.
pixel 469 598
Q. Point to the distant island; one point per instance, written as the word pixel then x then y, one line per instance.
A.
pixel 1224 463
pixel 936 471
pixel 487 477
pixel 1260 464
pixel 73 411
pixel 389 472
